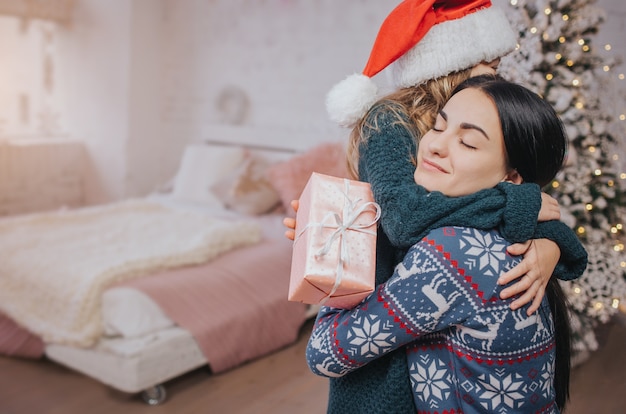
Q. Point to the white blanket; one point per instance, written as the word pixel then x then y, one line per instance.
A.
pixel 55 266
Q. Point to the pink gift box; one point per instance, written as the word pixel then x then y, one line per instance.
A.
pixel 334 251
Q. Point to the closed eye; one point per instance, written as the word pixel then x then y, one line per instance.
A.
pixel 440 122
pixel 467 145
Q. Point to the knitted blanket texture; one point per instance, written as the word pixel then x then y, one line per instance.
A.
pixel 55 266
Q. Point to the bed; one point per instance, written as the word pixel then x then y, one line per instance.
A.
pixel 136 292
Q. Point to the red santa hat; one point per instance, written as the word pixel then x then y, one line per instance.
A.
pixel 422 40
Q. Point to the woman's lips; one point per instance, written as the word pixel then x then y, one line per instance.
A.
pixel 429 165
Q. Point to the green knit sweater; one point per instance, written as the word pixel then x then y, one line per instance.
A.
pixel 408 213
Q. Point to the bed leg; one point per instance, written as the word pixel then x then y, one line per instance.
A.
pixel 154 395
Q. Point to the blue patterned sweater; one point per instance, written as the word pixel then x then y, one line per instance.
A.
pixel 467 351
pixel 408 213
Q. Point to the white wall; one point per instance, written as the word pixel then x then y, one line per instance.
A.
pixel 93 65
pixel 158 74
pixel 262 64
pixel 149 148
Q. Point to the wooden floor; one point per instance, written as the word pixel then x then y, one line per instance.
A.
pixel 279 384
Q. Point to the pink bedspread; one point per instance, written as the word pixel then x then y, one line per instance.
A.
pixel 235 306
pixel 17 341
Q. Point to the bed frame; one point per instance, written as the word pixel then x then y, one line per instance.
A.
pixel 140 365
pixel 136 365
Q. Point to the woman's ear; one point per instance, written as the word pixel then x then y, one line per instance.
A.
pixel 513 177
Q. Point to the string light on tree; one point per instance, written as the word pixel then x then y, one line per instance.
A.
pixel 556 57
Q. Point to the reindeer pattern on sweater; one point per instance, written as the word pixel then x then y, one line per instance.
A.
pixel 467 351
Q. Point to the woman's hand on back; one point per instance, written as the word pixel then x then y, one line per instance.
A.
pixel 550 209
pixel 533 272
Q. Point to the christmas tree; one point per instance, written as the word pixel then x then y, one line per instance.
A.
pixel 558 60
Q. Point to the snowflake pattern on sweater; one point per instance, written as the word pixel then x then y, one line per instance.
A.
pixel 467 351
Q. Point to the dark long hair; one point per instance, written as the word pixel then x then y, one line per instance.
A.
pixel 536 144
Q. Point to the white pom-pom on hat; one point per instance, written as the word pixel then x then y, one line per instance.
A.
pixel 350 99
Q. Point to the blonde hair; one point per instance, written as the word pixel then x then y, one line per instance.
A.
pixel 420 104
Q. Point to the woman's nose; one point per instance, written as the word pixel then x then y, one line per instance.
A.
pixel 438 144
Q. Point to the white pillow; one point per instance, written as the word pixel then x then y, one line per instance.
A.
pixel 247 190
pixel 131 313
pixel 201 167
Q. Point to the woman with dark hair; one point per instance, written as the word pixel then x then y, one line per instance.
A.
pixel 467 349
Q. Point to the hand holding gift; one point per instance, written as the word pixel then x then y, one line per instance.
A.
pixel 334 250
